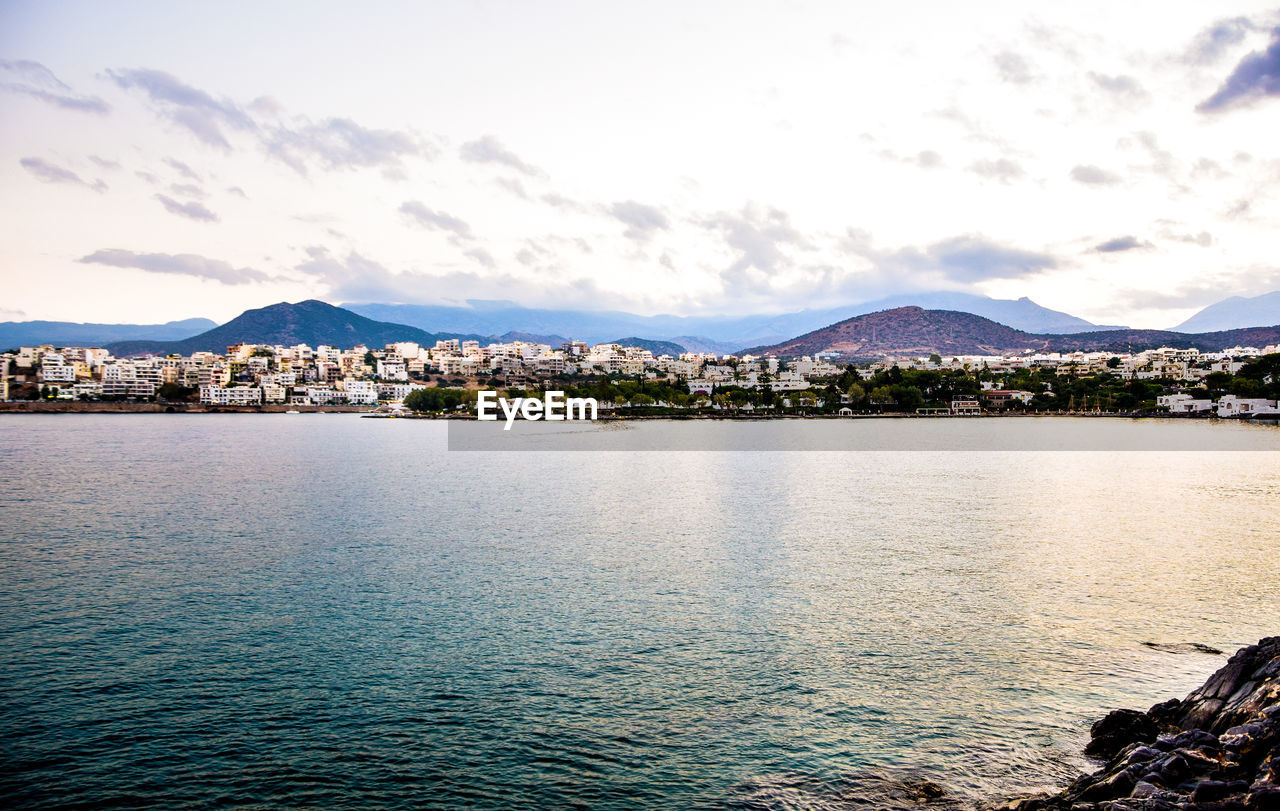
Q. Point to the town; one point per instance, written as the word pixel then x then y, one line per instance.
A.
pixel 1238 382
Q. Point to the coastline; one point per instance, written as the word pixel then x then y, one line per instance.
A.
pixel 55 407
pixel 1218 749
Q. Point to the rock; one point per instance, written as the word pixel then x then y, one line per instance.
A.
pixel 1183 647
pixel 1119 729
pixel 1266 799
pixel 1216 750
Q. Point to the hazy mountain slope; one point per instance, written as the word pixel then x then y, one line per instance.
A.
pixel 716 333
pixel 306 322
pixel 1235 313
pixel 658 348
pixel 1023 314
pixel 68 333
pixel 916 331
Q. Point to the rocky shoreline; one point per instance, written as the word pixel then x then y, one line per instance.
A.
pixel 1218 749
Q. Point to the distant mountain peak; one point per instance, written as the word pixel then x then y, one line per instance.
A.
pixel 311 322
pixel 912 331
pixel 1236 312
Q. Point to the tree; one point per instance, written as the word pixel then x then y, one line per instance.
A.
pixel 935 359
pixel 433 400
pixel 172 391
pixel 856 394
pixel 1113 362
pixel 909 398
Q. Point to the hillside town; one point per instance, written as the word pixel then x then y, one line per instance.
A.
pixel 255 375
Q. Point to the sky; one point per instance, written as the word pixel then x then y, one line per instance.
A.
pixel 160 160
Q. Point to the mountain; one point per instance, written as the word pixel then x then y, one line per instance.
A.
pixel 554 341
pixel 716 333
pixel 909 331
pixel 1236 312
pixel 658 348
pixel 916 331
pixel 307 322
pixel 1023 314
pixel 68 333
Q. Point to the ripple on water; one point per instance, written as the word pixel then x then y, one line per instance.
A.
pixel 256 612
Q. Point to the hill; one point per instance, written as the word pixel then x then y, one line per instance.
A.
pixel 658 348
pixel 909 331
pixel 1023 313
pixel 68 333
pixel 1235 313
pixel 916 331
pixel 306 322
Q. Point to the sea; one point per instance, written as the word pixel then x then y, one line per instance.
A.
pixel 328 611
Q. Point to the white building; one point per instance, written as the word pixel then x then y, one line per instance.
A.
pixel 360 392
pixel 1183 404
pixel 237 396
pixel 1233 406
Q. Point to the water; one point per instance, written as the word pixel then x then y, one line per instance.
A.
pixel 325 611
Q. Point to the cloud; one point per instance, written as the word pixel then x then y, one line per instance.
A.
pixel 103 163
pixel 188 107
pixel 237 191
pixel 357 278
pixel 182 169
pixel 1002 169
pixel 188 190
pixel 641 220
pixel 340 143
pixel 333 143
pixel 482 256
pixel 35 80
pixel 515 187
pixel 1212 43
pixel 928 159
pixel 761 237
pixel 192 211
pixel 420 214
pixel 925 159
pixel 974 258
pixel 561 202
pixel 1091 175
pixel 1162 161
pixel 1013 68
pixel 964 259
pixel 1124 88
pixel 52 173
pixel 183 264
pixel 1119 244
pixel 1257 76
pixel 1204 239
pixel 489 149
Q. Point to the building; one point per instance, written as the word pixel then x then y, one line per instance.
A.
pixel 236 396
pixel 1233 406
pixel 1183 404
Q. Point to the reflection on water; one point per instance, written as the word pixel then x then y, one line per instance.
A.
pixel 331 611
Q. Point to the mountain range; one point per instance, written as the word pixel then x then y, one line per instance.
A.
pixel 67 333
pixel 717 333
pixel 506 321
pixel 917 331
pixel 307 322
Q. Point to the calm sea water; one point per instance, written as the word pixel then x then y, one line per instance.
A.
pixel 326 611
